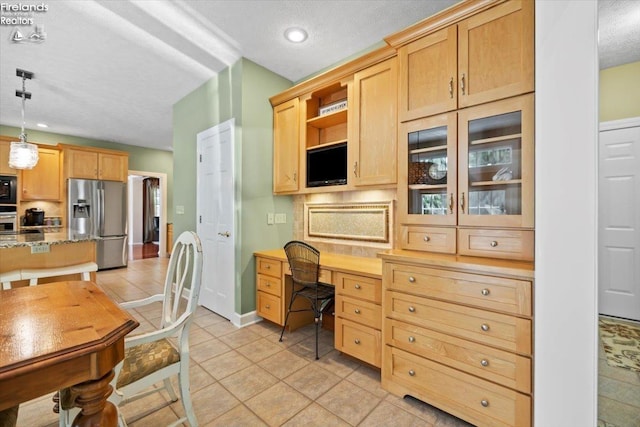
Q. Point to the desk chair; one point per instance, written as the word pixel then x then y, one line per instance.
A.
pixel 158 355
pixel 304 261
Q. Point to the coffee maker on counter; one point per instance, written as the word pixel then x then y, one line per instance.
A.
pixel 33 217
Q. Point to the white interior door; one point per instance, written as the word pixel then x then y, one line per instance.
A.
pixel 619 219
pixel 216 225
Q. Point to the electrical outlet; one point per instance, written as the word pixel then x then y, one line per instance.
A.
pixel 281 218
pixel 270 218
pixel 40 249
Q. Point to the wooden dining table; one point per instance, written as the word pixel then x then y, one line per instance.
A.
pixel 62 335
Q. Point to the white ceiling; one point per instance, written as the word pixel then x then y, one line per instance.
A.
pixel 112 69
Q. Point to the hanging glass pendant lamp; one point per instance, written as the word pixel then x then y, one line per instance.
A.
pixel 23 155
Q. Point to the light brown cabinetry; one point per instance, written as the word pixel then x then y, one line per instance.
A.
pixel 470 168
pixel 269 289
pixel 5 148
pixel 358 317
pixel 460 337
pixel 485 57
pixel 89 163
pixel 373 140
pixel 286 147
pixel 43 182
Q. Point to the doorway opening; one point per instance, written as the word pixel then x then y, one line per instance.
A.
pixel 153 241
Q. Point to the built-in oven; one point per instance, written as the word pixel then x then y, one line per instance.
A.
pixel 8 220
pixel 8 189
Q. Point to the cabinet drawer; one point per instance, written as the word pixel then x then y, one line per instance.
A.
pixel 362 287
pixel 361 342
pixel 324 275
pixel 495 365
pixel 508 244
pixel 473 399
pixel 498 330
pixel 269 267
pixel 430 239
pixel 364 312
pixel 269 307
pixel 270 285
pixel 495 293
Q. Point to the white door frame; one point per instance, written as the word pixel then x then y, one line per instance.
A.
pixel 162 177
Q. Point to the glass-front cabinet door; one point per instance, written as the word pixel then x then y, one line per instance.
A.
pixel 428 170
pixel 495 186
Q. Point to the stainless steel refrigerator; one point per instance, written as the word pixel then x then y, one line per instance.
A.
pixel 99 208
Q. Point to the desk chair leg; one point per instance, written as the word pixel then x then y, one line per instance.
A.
pixel 317 320
pixel 286 318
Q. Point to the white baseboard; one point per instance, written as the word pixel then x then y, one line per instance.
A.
pixel 242 320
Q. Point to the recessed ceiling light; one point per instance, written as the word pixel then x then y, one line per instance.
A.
pixel 42 125
pixel 295 35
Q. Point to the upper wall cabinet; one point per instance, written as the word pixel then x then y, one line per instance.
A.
pixel 286 147
pixel 5 148
pixel 43 181
pixel 373 143
pixel 486 57
pixel 91 163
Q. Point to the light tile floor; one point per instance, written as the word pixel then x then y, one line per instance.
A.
pixel 245 377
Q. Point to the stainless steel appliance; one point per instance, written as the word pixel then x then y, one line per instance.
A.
pixel 8 189
pixel 99 208
pixel 34 216
pixel 8 220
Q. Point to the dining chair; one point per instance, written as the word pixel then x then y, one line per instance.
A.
pixel 156 356
pixel 304 261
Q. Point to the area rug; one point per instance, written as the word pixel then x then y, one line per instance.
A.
pixel 621 343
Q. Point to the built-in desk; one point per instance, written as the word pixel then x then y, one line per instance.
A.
pixel 358 314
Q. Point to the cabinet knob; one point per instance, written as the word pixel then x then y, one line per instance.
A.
pixel 462 83
pixel 268 267
pixel 451 87
pixel 412 279
pixel 357 286
pixel 484 327
pixel 412 309
pixel 268 306
pixel 412 339
pixel 426 238
pixel 412 372
pixel 268 284
pixel 450 203
pixel 484 402
pixel 485 292
pixel 462 202
pixel 357 311
pixel 493 243
pixel 484 362
pixel 357 341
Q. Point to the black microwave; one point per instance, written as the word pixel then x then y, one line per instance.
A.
pixel 8 189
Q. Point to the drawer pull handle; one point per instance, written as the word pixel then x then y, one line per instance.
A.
pixel 412 309
pixel 357 311
pixel 357 341
pixel 485 292
pixel 268 306
pixel 412 279
pixel 268 284
pixel 412 339
pixel 357 286
pixel 412 372
pixel 268 267
pixel 484 327
pixel 493 243
pixel 426 238
pixel 484 362
pixel 484 402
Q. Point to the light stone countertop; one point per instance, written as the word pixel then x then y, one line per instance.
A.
pixel 34 239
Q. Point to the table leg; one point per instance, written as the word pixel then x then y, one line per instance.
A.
pixel 92 400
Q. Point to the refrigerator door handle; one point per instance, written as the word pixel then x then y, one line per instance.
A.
pixel 100 211
pixel 114 238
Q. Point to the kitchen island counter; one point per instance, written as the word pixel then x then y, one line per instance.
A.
pixel 35 239
pixel 48 250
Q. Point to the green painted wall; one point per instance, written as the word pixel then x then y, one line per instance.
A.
pixel 242 92
pixel 140 159
pixel 620 92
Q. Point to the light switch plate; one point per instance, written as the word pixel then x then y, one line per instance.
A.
pixel 281 218
pixel 180 210
pixel 270 218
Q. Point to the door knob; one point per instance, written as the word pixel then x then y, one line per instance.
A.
pixel 225 234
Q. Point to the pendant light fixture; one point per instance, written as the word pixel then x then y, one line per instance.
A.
pixel 23 155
